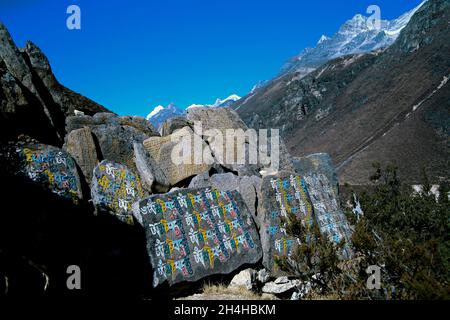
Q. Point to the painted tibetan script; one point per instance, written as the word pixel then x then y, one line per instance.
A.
pixel 283 195
pixel 193 233
pixel 328 214
pixel 115 189
pixel 51 167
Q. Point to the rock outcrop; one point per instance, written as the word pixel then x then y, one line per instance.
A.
pixel 114 135
pixel 33 95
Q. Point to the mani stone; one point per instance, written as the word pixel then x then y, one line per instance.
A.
pixel 181 155
pixel 194 233
pixel 245 185
pixel 51 167
pixel 114 189
pixel 81 146
pixel 281 194
pixel 328 215
pixel 317 163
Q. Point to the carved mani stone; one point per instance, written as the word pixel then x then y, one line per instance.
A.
pixel 194 233
pixel 115 188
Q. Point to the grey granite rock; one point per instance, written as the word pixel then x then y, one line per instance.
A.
pixel 114 135
pixel 81 146
pixel 173 124
pixel 245 279
pixel 263 276
pixel 114 189
pixel 169 154
pixel 280 286
pixel 152 177
pixel 194 233
pixel 281 194
pixel 328 214
pixel 50 167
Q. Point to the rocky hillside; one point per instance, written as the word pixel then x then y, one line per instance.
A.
pixel 388 106
pixel 32 100
pixel 85 189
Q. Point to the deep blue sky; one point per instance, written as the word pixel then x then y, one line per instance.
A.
pixel 133 55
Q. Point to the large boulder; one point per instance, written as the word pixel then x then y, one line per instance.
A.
pixel 328 214
pixel 176 155
pixel 80 145
pixel 50 167
pixel 281 194
pixel 114 189
pixel 115 135
pixel 244 279
pixel 194 233
pixel 227 135
pixel 152 177
pixel 212 124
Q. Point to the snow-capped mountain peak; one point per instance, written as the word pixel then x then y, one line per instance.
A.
pixel 154 112
pixel 160 114
pixel 227 101
pixel 322 39
pixel 357 35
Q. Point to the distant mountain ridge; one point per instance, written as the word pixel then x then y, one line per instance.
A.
pixel 160 114
pixel 357 35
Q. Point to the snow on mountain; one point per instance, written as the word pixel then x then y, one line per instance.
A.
pixel 160 114
pixel 154 112
pixel 357 35
pixel 323 38
pixel 227 101
pixel 220 103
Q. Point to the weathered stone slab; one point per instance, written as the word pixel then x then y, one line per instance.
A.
pixel 328 215
pixel 114 189
pixel 51 167
pixel 281 194
pixel 173 124
pixel 152 177
pixel 81 146
pixel 194 233
pixel 183 145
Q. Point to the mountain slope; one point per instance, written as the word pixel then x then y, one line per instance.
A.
pixel 356 107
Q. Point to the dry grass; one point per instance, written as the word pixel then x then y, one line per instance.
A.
pixel 222 292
